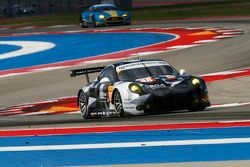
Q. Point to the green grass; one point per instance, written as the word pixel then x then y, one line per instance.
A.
pixel 212 9
pixel 198 10
pixel 43 20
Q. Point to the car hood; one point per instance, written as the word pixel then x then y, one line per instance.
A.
pixel 163 81
pixel 111 13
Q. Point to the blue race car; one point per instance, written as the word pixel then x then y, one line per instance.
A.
pixel 104 15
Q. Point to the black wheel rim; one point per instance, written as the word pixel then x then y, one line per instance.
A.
pixel 83 104
pixel 118 103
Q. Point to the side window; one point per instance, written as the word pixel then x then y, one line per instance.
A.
pixel 109 73
pixel 101 75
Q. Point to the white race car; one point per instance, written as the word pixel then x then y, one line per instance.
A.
pixel 140 87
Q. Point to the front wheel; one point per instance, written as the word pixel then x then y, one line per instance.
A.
pixel 83 104
pixel 92 22
pixel 118 104
pixel 82 22
pixel 198 107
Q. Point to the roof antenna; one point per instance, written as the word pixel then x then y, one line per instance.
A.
pixel 137 56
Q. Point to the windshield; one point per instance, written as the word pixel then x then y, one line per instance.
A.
pixel 104 8
pixel 143 72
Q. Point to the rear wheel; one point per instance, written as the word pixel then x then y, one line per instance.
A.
pixel 118 104
pixel 128 23
pixel 83 104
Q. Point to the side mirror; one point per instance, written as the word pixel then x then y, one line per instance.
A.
pixel 183 72
pixel 104 80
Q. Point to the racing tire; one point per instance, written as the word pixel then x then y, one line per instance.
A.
pixel 128 23
pixel 83 105
pixel 82 23
pixel 198 107
pixel 118 104
pixel 92 24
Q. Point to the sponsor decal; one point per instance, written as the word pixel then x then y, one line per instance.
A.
pixel 110 92
pixel 112 13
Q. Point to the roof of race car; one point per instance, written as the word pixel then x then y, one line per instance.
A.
pixel 103 5
pixel 135 61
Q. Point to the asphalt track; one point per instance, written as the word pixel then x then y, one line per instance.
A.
pixel 223 55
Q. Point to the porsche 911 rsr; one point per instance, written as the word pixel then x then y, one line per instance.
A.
pixel 104 15
pixel 140 87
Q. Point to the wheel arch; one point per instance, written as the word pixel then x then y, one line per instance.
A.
pixel 112 97
pixel 78 94
pixel 122 87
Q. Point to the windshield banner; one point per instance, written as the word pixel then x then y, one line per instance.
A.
pixel 140 65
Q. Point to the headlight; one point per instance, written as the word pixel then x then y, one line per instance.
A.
pixel 101 16
pixel 125 15
pixel 196 82
pixel 135 88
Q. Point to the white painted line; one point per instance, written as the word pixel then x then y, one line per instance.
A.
pixel 12 74
pixel 206 41
pixel 167 28
pixel 230 30
pixel 224 73
pixel 127 145
pixel 213 29
pixel 26 28
pixel 229 105
pixel 27 47
pixel 13 110
pixel 139 29
pixel 234 121
pixel 196 28
pixel 111 29
pixel 49 68
pixel 232 33
pixel 10 113
pixel 182 46
pixel 36 113
pixel 146 53
pixel 61 26
pixel 178 27
pixel 225 36
pixel 75 31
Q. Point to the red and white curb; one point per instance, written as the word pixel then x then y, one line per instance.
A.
pixel 187 37
pixel 120 128
pixel 67 105
pixel 226 75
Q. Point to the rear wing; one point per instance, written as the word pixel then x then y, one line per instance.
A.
pixel 86 71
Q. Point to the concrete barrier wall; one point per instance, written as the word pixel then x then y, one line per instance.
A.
pixel 15 8
pixel 39 7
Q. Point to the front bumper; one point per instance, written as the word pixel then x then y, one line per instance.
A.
pixel 160 101
pixel 113 21
pixel 168 100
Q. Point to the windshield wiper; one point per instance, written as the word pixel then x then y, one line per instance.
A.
pixel 150 73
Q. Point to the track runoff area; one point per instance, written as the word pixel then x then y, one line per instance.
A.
pixel 138 144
